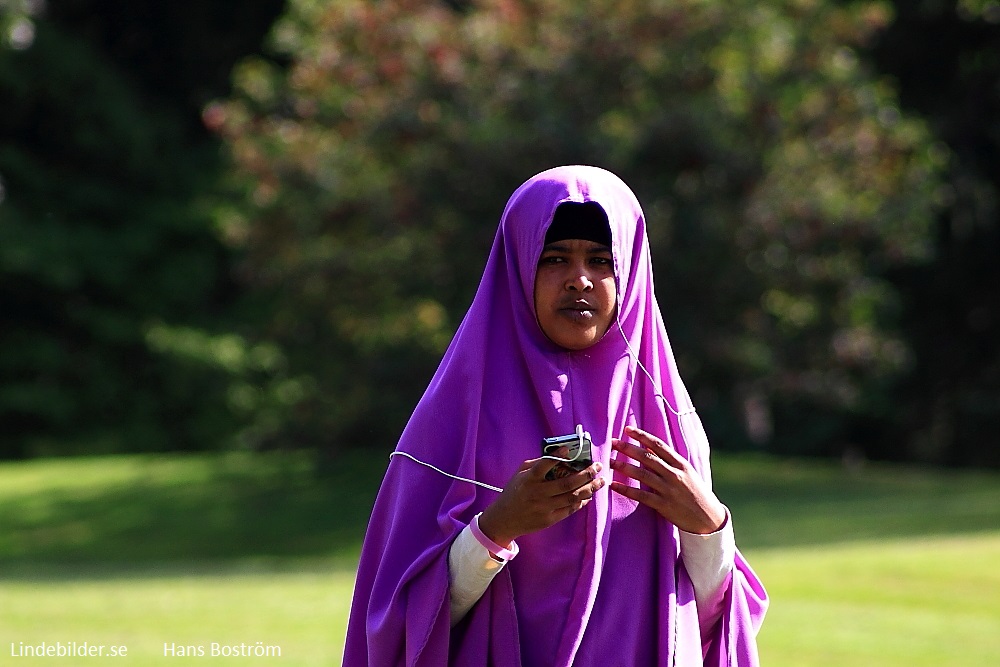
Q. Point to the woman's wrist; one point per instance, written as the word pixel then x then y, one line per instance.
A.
pixel 497 552
pixel 709 520
pixel 492 531
pixel 713 527
pixel 717 519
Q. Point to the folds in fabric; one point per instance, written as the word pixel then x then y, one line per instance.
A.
pixel 604 586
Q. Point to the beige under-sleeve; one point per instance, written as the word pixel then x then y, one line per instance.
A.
pixel 709 560
pixel 470 571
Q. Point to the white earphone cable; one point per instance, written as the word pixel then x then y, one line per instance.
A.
pixel 446 474
pixel 579 428
pixel 656 388
pixel 580 433
pixel 657 392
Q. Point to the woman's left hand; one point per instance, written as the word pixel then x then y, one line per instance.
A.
pixel 667 483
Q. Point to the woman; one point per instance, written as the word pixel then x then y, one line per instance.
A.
pixel 629 560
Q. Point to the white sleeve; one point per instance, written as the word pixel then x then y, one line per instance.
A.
pixel 470 571
pixel 709 561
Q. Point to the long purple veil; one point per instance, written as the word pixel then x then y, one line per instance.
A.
pixel 605 586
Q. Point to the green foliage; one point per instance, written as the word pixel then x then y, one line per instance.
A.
pixel 258 390
pixel 780 178
pixel 101 233
pixel 789 194
pixel 948 404
pixel 17 25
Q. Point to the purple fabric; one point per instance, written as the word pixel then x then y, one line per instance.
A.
pixel 606 585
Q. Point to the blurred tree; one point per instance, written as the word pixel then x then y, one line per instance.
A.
pixel 96 236
pixel 178 54
pixel 111 273
pixel 950 400
pixel 781 180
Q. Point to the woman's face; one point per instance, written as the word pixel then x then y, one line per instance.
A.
pixel 575 298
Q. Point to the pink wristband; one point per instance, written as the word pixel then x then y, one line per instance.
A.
pixel 491 546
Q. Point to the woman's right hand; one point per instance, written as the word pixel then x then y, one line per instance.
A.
pixel 530 502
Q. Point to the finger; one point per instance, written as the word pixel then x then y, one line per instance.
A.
pixel 577 479
pixel 646 477
pixel 639 495
pixel 540 467
pixel 526 465
pixel 656 445
pixel 587 491
pixel 644 457
pixel 573 506
pixel 560 453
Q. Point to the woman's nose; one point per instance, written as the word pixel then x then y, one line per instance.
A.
pixel 580 282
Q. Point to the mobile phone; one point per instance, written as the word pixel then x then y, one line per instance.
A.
pixel 579 458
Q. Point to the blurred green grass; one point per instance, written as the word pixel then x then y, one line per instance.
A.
pixel 886 603
pixel 132 510
pixel 300 607
pixel 877 565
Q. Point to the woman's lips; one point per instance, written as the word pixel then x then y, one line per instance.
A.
pixel 579 311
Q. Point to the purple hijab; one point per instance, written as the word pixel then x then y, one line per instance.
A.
pixel 604 586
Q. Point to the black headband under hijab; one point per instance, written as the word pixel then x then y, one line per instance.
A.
pixel 579 220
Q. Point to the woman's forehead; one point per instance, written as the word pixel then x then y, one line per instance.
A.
pixel 532 208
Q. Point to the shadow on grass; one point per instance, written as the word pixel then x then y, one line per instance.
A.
pixel 180 514
pixel 786 502
pixel 163 509
pixel 51 573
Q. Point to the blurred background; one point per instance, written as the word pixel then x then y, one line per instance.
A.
pixel 232 225
pixel 235 239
